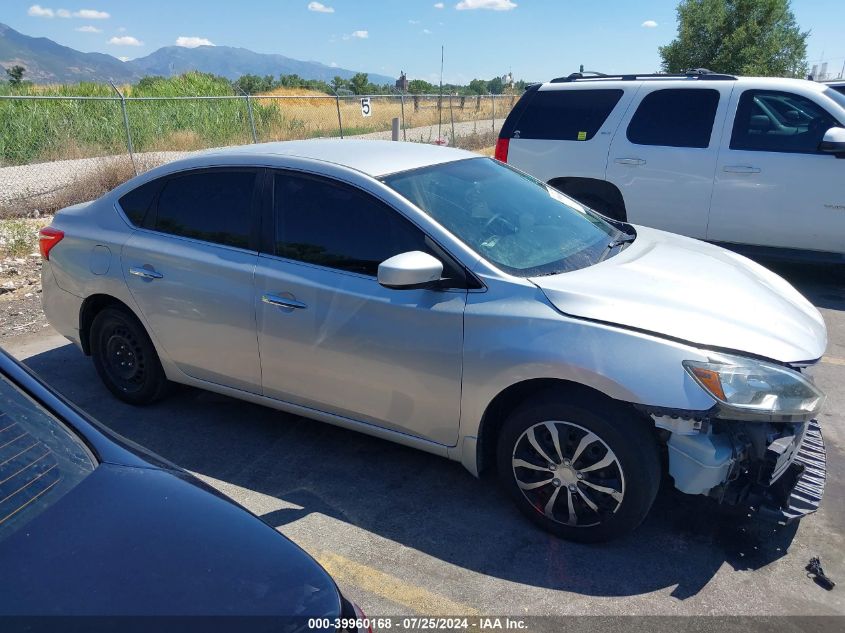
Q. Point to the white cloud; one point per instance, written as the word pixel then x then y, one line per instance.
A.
pixel 125 40
pixel 319 7
pixel 413 21
pixel 123 58
pixel 361 35
pixel 426 32
pixel 649 24
pixel 121 29
pixel 438 5
pixel 63 13
pixel 88 29
pixel 333 64
pixel 492 5
pixel 193 41
pixel 91 14
pixel 37 11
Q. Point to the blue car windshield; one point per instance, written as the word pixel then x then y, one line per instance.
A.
pixel 40 460
pixel 514 221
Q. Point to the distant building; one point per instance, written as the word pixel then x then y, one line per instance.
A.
pixel 402 82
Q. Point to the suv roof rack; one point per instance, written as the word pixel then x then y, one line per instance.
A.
pixel 694 73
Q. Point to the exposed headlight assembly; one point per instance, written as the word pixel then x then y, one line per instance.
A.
pixel 755 390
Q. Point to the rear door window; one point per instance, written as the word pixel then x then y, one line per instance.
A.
pixel 211 205
pixel 566 115
pixel 40 459
pixel 675 117
pixel 776 121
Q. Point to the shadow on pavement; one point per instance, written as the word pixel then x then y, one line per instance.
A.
pixel 415 499
pixel 823 285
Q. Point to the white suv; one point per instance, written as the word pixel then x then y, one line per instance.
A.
pixel 734 160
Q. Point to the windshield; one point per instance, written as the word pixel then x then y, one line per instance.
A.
pixel 838 97
pixel 40 460
pixel 512 220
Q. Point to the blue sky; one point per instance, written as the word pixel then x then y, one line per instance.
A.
pixel 536 39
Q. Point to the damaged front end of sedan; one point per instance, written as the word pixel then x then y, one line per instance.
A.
pixel 759 449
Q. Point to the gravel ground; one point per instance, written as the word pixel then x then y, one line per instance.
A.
pixel 38 181
pixel 20 296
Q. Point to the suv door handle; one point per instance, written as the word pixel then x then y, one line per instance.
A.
pixel 630 161
pixel 283 302
pixel 741 169
pixel 146 273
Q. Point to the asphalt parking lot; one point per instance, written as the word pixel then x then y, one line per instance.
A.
pixel 406 533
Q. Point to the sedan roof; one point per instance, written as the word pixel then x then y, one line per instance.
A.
pixel 376 158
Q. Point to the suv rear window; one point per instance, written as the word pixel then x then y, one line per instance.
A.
pixel 675 117
pixel 566 115
pixel 40 460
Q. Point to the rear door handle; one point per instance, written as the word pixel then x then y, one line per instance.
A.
pixel 741 169
pixel 630 161
pixel 283 302
pixel 145 273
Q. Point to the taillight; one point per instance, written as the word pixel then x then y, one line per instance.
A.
pixel 501 152
pixel 48 237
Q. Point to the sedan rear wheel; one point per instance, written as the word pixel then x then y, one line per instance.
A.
pixel 587 471
pixel 125 358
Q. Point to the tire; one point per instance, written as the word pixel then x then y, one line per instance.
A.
pixel 593 432
pixel 125 358
pixel 597 203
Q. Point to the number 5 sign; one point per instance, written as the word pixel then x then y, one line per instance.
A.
pixel 366 110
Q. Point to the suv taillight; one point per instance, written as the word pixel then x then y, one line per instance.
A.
pixel 48 237
pixel 501 152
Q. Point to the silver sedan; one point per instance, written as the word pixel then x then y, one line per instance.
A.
pixel 451 303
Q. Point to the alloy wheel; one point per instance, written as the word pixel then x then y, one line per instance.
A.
pixel 568 473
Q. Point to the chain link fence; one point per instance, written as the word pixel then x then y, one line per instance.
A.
pixel 57 149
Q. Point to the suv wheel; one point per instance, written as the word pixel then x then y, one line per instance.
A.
pixel 125 358
pixel 585 470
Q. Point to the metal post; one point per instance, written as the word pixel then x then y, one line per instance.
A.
pixel 126 127
pixel 394 129
pixel 339 121
pixel 404 129
pixel 493 101
pixel 452 117
pixel 251 119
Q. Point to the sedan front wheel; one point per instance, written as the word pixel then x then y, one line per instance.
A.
pixel 582 468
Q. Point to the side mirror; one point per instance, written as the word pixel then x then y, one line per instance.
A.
pixel 408 271
pixel 834 142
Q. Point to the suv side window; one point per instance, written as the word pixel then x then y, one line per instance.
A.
pixel 210 205
pixel 327 223
pixel 675 117
pixel 775 121
pixel 566 115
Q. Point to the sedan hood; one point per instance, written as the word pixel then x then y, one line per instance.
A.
pixel 686 289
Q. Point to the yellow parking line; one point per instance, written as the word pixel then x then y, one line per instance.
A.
pixel 418 599
pixel 832 360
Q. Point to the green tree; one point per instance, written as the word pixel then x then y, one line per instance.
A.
pixel 496 86
pixel 359 83
pixel 338 82
pixel 478 86
pixel 420 87
pixel 15 74
pixel 745 37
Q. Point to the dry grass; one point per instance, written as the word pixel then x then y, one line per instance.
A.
pixel 109 173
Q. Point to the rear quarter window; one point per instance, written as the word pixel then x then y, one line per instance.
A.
pixel 138 202
pixel 566 115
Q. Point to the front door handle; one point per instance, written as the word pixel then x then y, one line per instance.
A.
pixel 630 161
pixel 145 273
pixel 741 169
pixel 283 302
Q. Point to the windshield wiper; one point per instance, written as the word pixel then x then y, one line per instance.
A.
pixel 619 241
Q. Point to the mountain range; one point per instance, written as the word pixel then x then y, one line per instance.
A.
pixel 48 62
